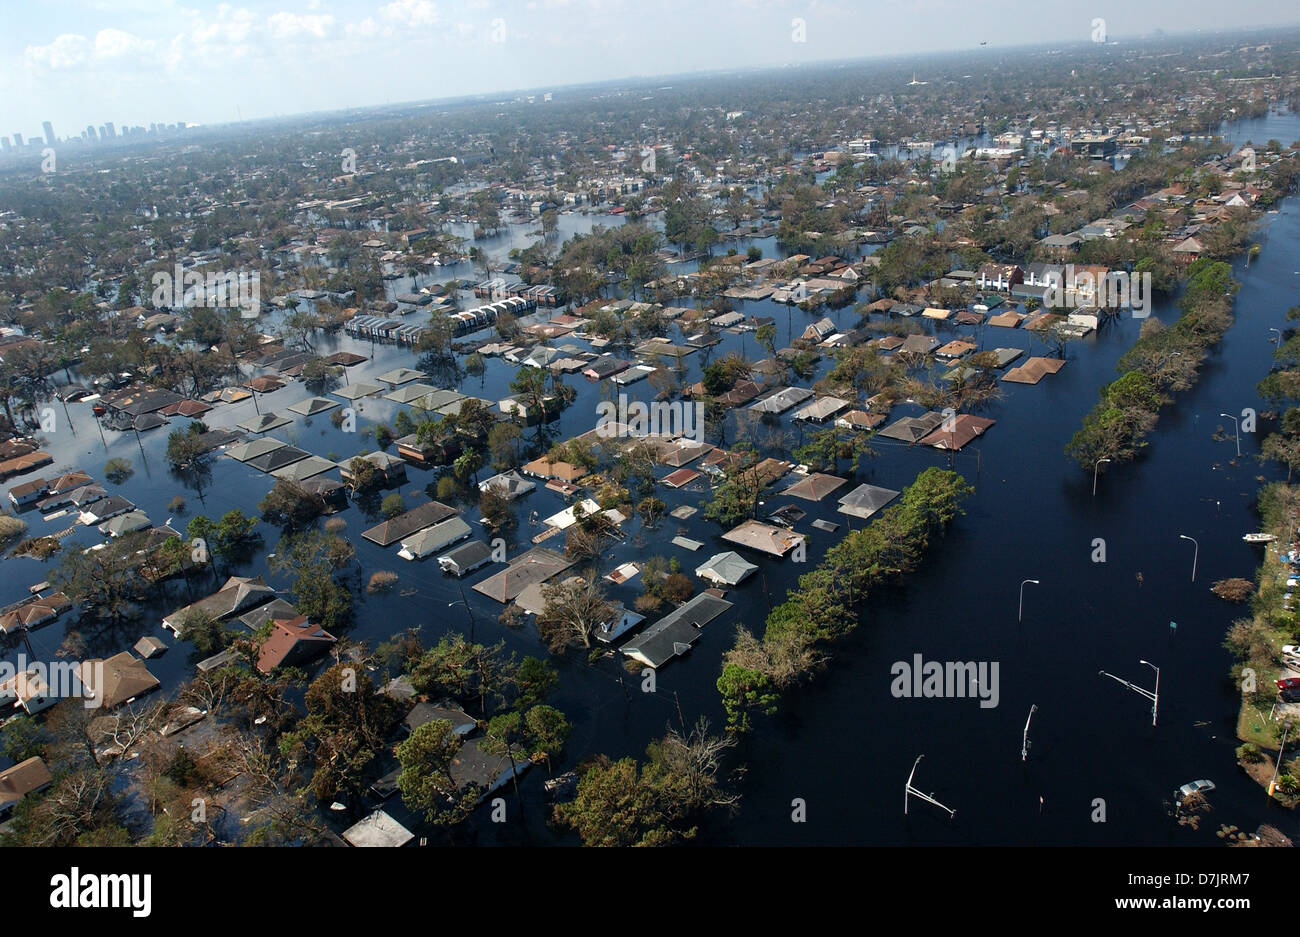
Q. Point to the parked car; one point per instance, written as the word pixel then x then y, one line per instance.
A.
pixel 1195 787
pixel 1289 683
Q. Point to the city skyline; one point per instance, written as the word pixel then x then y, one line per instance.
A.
pixel 210 64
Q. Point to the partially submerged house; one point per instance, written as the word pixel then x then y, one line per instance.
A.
pixel 865 500
pixel 725 569
pixel 239 594
pixel 26 777
pixel 292 641
pixel 116 681
pixel 430 540
pixel 465 558
pixel 766 538
pixel 403 525
pixel 675 633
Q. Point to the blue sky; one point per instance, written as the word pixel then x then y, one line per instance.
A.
pixel 77 62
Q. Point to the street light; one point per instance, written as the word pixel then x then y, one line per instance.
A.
pixel 468 609
pixel 1142 691
pixel 1236 433
pixel 1020 616
pixel 1094 475
pixel 1278 341
pixel 1195 553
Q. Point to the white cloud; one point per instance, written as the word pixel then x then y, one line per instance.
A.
pixel 293 25
pixel 71 50
pixel 413 14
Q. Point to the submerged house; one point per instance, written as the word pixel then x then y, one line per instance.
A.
pixel 239 594
pixel 117 680
pixel 725 569
pixel 292 641
pixel 675 633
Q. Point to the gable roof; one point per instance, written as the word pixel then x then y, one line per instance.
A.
pixel 405 524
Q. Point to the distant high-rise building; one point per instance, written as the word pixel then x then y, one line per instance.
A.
pixel 4 143
pixel 18 140
pixel 108 129
pixel 49 133
pixel 90 133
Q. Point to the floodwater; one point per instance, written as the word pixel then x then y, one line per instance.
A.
pixel 844 745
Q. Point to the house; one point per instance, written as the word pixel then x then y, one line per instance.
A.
pixel 117 680
pixel 963 428
pixel 27 690
pixel 1000 277
pixel 819 331
pixel 95 513
pixel 511 484
pixel 26 777
pixel 403 525
pixel 544 468
pixel 292 641
pixel 465 558
pixel 725 569
pixel 462 723
pixel 815 486
pixel 675 633
pixel 536 565
pixel 766 538
pixel 821 409
pixel 28 492
pixel 621 620
pixel 432 539
pixel 377 830
pixel 866 500
pixel 1187 250
pixel 239 594
pixel 389 469
pixel 605 366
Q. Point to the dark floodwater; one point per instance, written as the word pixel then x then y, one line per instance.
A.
pixel 844 744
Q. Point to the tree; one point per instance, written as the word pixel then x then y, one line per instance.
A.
pixel 312 558
pixel 392 505
pixel 573 611
pixel 345 728
pixel 291 505
pixel 426 782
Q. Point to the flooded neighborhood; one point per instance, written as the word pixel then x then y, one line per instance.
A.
pixel 706 459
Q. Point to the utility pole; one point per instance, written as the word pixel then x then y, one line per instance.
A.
pixel 910 791
pixel 1024 741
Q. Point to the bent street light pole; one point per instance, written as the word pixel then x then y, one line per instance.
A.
pixel 1024 741
pixel 1236 431
pixel 1277 342
pixel 1020 616
pixel 1196 552
pixel 1141 691
pixel 910 791
pixel 468 609
pixel 1094 475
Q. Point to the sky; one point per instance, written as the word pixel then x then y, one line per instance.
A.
pixel 79 62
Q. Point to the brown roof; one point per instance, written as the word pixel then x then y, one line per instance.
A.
pixel 403 525
pixel 815 487
pixel 123 679
pixel 756 535
pixel 965 428
pixel 292 640
pixel 543 468
pixel 23 778
pixel 1034 370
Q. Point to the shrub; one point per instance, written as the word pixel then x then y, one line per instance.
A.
pixel 118 470
pixel 381 581
pixel 392 505
pixel 1233 590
